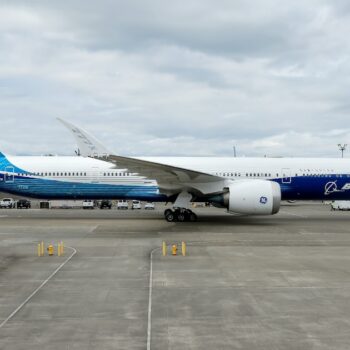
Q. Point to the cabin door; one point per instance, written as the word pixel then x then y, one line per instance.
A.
pixel 286 176
pixel 9 174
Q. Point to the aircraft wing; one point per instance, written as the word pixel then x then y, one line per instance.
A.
pixel 171 178
pixel 167 175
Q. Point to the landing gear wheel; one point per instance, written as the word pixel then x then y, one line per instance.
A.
pixel 166 211
pixel 193 217
pixel 181 217
pixel 170 215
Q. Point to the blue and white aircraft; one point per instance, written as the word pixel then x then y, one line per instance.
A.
pixel 253 186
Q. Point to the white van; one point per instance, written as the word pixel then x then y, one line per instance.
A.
pixel 122 205
pixel 7 203
pixel 88 204
pixel 136 205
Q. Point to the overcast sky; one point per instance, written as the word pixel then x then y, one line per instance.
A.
pixel 190 77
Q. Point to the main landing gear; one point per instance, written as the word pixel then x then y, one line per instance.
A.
pixel 180 214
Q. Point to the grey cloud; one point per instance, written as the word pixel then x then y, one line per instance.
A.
pixel 155 77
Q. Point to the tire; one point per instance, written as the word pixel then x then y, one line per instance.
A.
pixel 170 216
pixel 181 217
pixel 193 217
pixel 166 211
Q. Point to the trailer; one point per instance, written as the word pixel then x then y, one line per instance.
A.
pixel 340 205
pixel 66 204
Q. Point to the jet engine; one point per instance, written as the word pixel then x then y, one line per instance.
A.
pixel 254 197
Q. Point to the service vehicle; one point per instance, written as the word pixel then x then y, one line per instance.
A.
pixel 7 203
pixel 340 205
pixel 105 204
pixel 23 204
pixel 88 204
pixel 122 204
pixel 149 206
pixel 136 205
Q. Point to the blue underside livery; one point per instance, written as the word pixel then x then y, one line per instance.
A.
pixel 53 189
pixel 35 187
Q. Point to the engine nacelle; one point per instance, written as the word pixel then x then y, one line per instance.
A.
pixel 255 197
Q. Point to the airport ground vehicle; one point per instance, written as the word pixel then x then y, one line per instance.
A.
pixel 122 205
pixel 149 206
pixel 340 205
pixel 106 204
pixel 66 204
pixel 7 203
pixel 136 205
pixel 23 204
pixel 88 204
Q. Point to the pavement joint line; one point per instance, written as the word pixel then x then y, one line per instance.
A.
pixel 13 313
pixel 293 214
pixel 149 315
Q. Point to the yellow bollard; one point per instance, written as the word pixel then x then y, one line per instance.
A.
pixel 42 248
pixel 164 248
pixel 183 248
pixel 62 248
pixel 39 249
pixel 50 250
pixel 59 249
pixel 174 249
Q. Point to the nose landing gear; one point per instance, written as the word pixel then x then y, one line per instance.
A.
pixel 180 214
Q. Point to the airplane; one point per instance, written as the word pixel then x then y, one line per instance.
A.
pixel 249 186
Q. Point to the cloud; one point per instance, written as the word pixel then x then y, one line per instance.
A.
pixel 156 78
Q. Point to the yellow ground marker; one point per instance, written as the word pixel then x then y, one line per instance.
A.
pixel 183 248
pixel 164 248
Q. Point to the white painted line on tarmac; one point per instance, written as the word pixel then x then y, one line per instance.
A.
pixel 13 313
pixel 297 215
pixel 149 318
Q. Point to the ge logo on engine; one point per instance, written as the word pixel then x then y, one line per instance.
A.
pixel 263 200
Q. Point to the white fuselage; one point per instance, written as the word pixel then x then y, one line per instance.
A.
pixel 307 178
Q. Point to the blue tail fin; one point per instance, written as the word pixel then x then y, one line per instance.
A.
pixel 2 155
